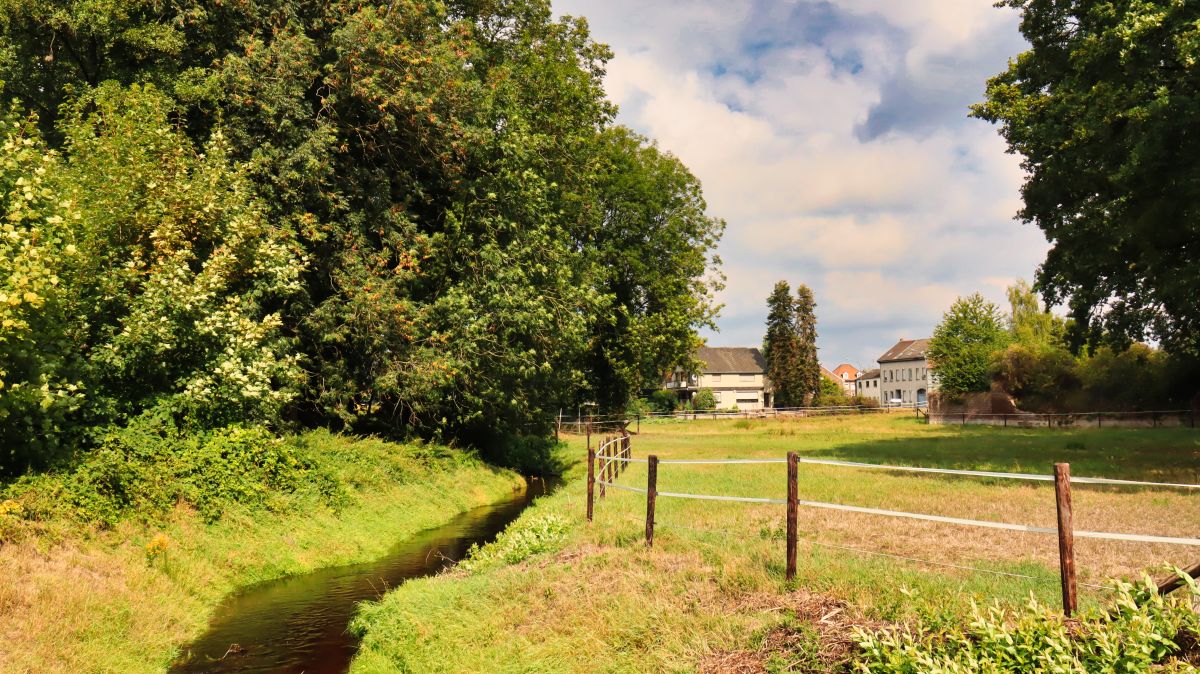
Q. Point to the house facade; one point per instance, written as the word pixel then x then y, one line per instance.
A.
pixel 867 385
pixel 736 375
pixel 904 374
pixel 847 374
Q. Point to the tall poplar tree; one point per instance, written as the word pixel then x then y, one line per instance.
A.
pixel 808 369
pixel 781 347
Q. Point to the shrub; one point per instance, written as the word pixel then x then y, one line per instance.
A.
pixel 1037 375
pixel 704 400
pixel 1142 629
pixel 529 536
pixel 663 401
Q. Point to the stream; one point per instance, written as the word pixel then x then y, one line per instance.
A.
pixel 297 624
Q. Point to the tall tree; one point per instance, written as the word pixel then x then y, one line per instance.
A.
pixel 962 346
pixel 1029 323
pixel 808 366
pixel 475 244
pixel 781 348
pixel 1103 108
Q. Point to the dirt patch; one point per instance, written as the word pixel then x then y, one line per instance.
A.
pixel 818 635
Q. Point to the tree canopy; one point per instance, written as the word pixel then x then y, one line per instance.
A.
pixel 961 349
pixel 789 346
pixel 409 217
pixel 1103 108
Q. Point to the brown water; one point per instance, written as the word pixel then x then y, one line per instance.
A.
pixel 298 624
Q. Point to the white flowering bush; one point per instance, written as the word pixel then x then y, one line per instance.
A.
pixel 193 276
pixel 38 389
pixel 135 271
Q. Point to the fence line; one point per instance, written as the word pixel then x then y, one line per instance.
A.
pixel 615 455
pixel 1063 419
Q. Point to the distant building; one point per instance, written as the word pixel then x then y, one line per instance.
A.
pixel 736 375
pixel 848 374
pixel 904 375
pixel 867 385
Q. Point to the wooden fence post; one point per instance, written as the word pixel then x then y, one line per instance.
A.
pixel 591 482
pixel 1066 538
pixel 600 456
pixel 625 452
pixel 793 495
pixel 651 494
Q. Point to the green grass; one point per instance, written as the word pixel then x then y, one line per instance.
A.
pixel 81 599
pixel 712 589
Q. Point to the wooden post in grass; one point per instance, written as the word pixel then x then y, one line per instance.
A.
pixel 651 495
pixel 793 496
pixel 600 457
pixel 625 452
pixel 591 481
pixel 1066 538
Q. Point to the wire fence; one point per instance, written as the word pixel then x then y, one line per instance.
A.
pixel 614 455
pixel 1140 419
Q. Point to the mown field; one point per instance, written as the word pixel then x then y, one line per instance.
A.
pixel 711 595
pixel 78 598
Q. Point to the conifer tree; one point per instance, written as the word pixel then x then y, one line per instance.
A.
pixel 780 347
pixel 808 370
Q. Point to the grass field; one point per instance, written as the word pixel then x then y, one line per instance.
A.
pixel 76 599
pixel 710 596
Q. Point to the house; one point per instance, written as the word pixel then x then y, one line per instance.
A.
pixel 904 375
pixel 736 375
pixel 828 374
pixel 867 385
pixel 847 374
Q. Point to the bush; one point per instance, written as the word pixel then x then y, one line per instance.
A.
pixel 664 401
pixel 704 400
pixel 529 536
pixel 1039 376
pixel 1142 630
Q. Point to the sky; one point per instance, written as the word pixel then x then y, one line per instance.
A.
pixel 833 138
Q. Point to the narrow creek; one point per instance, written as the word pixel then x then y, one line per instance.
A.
pixel 297 624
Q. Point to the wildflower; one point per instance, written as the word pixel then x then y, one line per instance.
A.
pixel 157 545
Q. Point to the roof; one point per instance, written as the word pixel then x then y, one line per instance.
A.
pixel 731 359
pixel 847 369
pixel 830 375
pixel 906 349
pixel 869 374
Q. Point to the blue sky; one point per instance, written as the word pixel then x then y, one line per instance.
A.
pixel 833 138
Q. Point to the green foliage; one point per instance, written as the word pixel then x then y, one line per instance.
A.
pixel 1029 323
pixel 790 346
pixel 704 400
pixel 528 537
pixel 407 218
pixel 1142 630
pixel 961 349
pixel 664 401
pixel 1102 109
pixel 830 394
pixel 808 367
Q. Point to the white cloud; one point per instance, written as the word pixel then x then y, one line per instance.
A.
pixel 833 138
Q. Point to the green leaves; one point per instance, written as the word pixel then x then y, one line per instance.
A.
pixel 1102 110
pixel 961 349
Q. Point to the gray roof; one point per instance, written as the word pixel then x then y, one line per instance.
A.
pixel 869 374
pixel 731 360
pixel 906 349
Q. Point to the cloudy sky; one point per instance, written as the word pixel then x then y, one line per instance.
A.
pixel 833 138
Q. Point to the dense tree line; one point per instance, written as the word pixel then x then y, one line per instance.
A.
pixel 407 218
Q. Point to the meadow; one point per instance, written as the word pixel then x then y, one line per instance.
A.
pixel 711 595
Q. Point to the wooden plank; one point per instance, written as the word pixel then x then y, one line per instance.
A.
pixel 1173 582
pixel 591 482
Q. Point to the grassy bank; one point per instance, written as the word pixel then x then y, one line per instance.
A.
pixel 123 597
pixel 710 596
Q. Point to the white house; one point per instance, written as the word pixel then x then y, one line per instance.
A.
pixel 736 375
pixel 904 374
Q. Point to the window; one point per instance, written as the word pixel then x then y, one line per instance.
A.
pixel 715 378
pixel 747 400
pixel 717 397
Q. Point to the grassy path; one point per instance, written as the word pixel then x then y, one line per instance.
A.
pixel 711 594
pixel 75 600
